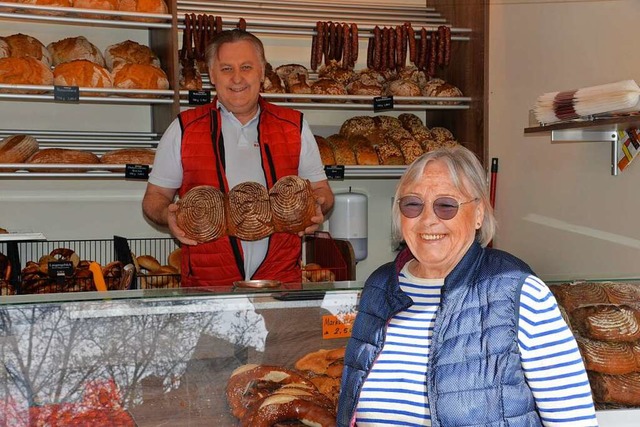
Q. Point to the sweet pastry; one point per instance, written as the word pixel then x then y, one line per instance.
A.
pixel 249 212
pixel 24 71
pixel 129 51
pixel 292 204
pixel 201 214
pixel 22 45
pixel 73 48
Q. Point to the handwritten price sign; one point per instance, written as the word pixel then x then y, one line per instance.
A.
pixel 337 326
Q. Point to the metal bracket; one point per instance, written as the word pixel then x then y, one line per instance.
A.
pixel 591 135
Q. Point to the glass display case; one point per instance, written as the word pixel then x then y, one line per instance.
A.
pixel 155 357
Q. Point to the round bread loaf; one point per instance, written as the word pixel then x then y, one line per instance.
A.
pixel 17 148
pixel 189 75
pixel 143 6
pixel 403 88
pixel 250 216
pixel 24 71
pixel 201 214
pixel 96 4
pixel 73 48
pixel 334 71
pixel 82 73
pixel 360 88
pixel 359 125
pixel 326 152
pixel 292 204
pixel 328 87
pixel 147 262
pixel 129 52
pixel 49 3
pixel 62 156
pixel 290 74
pixel 139 76
pixel 22 45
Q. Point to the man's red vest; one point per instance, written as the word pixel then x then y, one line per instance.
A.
pixel 220 262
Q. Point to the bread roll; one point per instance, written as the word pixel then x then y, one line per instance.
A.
pixel 175 259
pixel 129 52
pixel 24 71
pixel 365 153
pixel 5 51
pixel 139 76
pixel 17 148
pixel 62 156
pixel 147 262
pixel 163 277
pixel 73 48
pixel 22 45
pixel 128 156
pixel 326 152
pixel 82 73
pixel 342 150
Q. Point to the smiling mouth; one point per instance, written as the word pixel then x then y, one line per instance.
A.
pixel 432 236
pixel 237 89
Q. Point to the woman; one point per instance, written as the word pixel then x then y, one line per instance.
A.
pixel 453 333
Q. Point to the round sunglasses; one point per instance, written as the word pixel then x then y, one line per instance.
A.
pixel 444 207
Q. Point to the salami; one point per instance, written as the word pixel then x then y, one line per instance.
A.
pixel 400 46
pixel 320 35
pixel 370 46
pixel 433 54
pixel 346 46
pixel 219 24
pixel 314 45
pixel 327 41
pixel 391 61
pixel 441 44
pixel 411 36
pixel 447 47
pixel 354 44
pixel 377 49
pixel 422 58
pixel 384 54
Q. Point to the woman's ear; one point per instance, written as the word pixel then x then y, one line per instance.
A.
pixel 479 215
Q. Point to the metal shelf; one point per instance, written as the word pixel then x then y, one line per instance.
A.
pixel 120 96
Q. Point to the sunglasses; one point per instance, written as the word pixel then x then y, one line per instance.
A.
pixel 444 207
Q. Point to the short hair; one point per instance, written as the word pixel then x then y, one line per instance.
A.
pixel 467 174
pixel 233 36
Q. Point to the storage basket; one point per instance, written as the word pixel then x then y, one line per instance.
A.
pixel 159 248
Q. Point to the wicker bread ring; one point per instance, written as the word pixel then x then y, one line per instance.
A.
pixel 201 214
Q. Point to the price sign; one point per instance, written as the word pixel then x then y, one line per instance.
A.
pixel 58 270
pixel 335 172
pixel 136 172
pixel 199 97
pixel 337 326
pixel 382 103
pixel 66 93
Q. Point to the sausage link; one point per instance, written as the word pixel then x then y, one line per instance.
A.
pixel 447 47
pixel 370 46
pixel 377 50
pixel 242 24
pixel 320 33
pixel 400 43
pixel 219 28
pixel 339 42
pixel 355 46
pixel 184 52
pixel 346 46
pixel 411 35
pixel 433 54
pixel 422 55
pixel 384 63
pixel 391 62
pixel 313 64
pixel 327 42
pixel 332 42
pixel 441 42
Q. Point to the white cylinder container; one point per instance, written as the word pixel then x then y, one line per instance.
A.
pixel 348 221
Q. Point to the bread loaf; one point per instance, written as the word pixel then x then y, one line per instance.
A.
pixel 403 88
pixel 290 74
pixel 139 76
pixel 73 48
pixel 24 71
pixel 22 45
pixel 62 156
pixel 96 4
pixel 189 77
pixel 359 125
pixel 250 216
pixel 365 153
pixel 388 153
pixel 128 156
pixel 17 148
pixel 292 204
pixel 82 73
pixel 384 123
pixel 328 87
pixel 410 148
pixel 49 3
pixel 326 152
pixel 129 52
pixel 143 6
pixel 342 150
pixel 202 213
pixel 616 389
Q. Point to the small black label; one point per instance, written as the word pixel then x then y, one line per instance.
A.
pixel 58 270
pixel 140 172
pixel 66 93
pixel 334 172
pixel 199 97
pixel 381 103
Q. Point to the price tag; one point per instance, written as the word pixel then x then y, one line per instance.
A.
pixel 58 270
pixel 199 97
pixel 382 103
pixel 140 172
pixel 66 93
pixel 334 172
pixel 337 326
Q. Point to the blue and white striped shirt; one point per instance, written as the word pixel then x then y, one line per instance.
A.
pixel 395 392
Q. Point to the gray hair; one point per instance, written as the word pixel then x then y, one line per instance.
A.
pixel 233 36
pixel 468 176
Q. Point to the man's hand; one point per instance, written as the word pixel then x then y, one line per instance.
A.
pixel 317 219
pixel 176 231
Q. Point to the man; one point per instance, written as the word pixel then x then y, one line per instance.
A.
pixel 239 137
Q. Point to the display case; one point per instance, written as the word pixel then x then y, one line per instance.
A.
pixel 159 357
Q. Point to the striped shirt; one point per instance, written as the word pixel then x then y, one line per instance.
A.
pixel 395 392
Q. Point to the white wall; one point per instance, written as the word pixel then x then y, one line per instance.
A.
pixel 559 208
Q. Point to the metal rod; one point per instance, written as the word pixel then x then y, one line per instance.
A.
pixel 310 4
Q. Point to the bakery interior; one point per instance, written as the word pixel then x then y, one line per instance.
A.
pixel 166 355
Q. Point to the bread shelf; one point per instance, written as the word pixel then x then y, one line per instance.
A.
pixel 70 15
pixel 119 96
